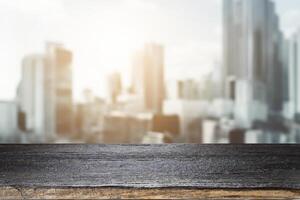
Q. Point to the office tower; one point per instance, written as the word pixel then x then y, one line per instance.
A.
pixel 285 86
pixel 148 77
pixel 251 53
pixel 45 93
pixel 293 76
pixel 276 77
pixel 32 94
pixel 114 86
pixel 59 89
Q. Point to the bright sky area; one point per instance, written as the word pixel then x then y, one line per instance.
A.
pixel 103 33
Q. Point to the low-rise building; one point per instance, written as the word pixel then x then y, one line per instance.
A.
pixel 8 122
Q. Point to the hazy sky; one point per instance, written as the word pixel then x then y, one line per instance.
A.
pixel 103 33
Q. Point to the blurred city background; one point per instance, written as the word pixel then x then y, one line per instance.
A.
pixel 150 71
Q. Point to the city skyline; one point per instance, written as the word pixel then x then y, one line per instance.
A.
pixel 233 77
pixel 30 25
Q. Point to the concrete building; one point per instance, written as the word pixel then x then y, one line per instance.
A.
pixel 157 138
pixel 32 95
pixel 148 77
pixel 286 78
pixel 251 55
pixel 114 87
pixel 169 124
pixel 188 90
pixel 89 116
pixel 265 137
pixel 45 93
pixel 190 115
pixel 59 89
pixel 293 77
pixel 8 122
pixel 121 127
pixel 209 132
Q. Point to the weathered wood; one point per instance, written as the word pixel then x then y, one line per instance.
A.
pixel 127 193
pixel 151 166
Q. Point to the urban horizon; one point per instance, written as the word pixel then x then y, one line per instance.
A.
pixel 154 75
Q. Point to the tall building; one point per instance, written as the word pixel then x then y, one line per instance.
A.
pixel 286 76
pixel 114 86
pixel 59 88
pixel 251 55
pixel 148 77
pixel 293 76
pixel 45 92
pixel 32 94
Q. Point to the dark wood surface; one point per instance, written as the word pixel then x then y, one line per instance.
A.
pixel 151 166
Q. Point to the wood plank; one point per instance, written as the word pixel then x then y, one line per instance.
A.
pixel 151 166
pixel 127 193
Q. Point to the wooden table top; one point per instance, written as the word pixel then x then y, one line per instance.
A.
pixel 157 171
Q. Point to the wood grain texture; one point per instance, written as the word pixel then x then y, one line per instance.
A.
pixel 127 193
pixel 151 166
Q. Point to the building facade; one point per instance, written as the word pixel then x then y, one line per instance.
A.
pixel 252 59
pixel 293 73
pixel 114 87
pixel 59 89
pixel 45 93
pixel 188 89
pixel 8 122
pixel 32 94
pixel 148 77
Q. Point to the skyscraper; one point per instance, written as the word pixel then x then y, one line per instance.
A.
pixel 59 88
pixel 114 86
pixel 148 77
pixel 251 54
pixel 32 94
pixel 45 92
pixel 294 72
